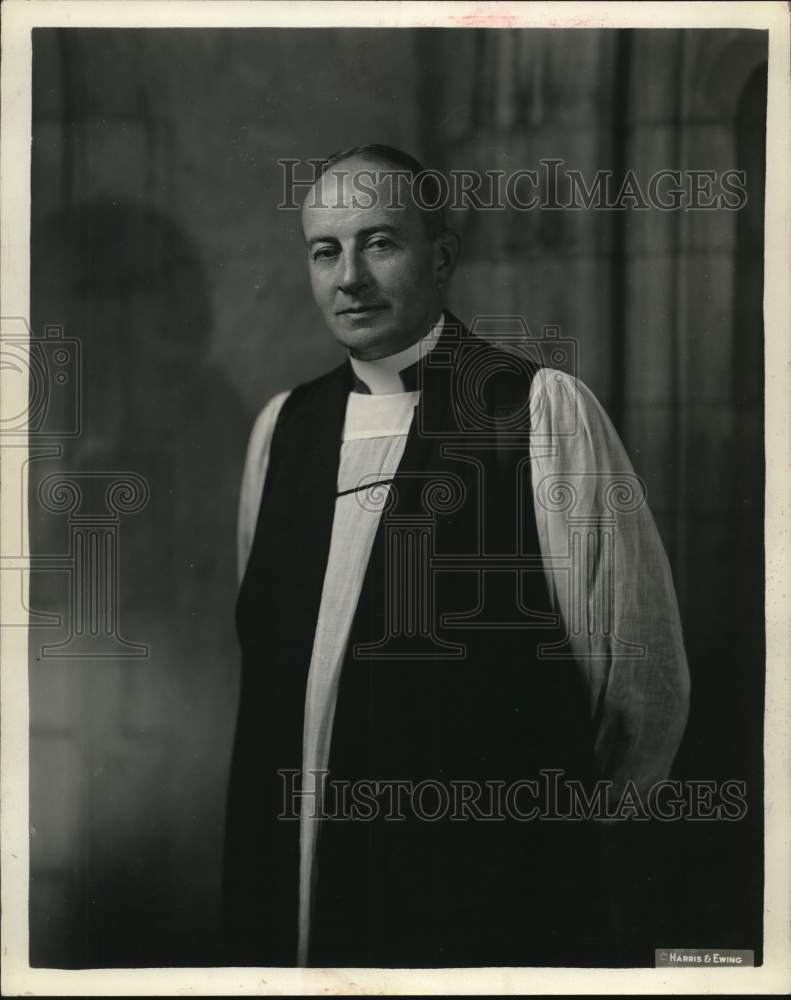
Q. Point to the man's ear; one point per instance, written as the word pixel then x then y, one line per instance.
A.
pixel 448 248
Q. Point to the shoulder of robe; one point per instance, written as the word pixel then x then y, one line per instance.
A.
pixel 308 396
pixel 504 376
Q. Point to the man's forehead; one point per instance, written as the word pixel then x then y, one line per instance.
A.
pixel 361 170
pixel 360 191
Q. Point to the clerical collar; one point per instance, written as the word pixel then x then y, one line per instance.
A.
pixel 398 372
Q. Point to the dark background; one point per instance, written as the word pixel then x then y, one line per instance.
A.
pixel 157 244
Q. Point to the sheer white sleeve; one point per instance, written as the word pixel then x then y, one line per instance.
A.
pixel 616 595
pixel 253 477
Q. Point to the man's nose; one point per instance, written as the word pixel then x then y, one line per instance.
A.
pixel 353 274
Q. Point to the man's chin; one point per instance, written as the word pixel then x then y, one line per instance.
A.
pixel 367 338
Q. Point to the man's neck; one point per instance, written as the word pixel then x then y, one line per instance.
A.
pixel 382 376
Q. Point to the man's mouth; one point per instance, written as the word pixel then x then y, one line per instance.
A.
pixel 360 310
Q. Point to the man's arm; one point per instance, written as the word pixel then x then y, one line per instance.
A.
pixel 253 477
pixel 639 703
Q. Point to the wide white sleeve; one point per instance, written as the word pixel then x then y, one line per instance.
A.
pixel 253 476
pixel 619 604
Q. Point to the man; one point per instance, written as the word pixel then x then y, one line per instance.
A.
pixel 409 624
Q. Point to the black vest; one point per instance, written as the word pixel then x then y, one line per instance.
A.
pixel 454 684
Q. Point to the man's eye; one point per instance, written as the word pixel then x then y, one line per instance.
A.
pixel 378 243
pixel 324 253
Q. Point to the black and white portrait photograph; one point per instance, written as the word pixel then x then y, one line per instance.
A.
pixel 395 454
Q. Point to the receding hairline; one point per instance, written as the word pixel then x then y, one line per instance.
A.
pixel 433 218
pixel 390 155
pixel 368 159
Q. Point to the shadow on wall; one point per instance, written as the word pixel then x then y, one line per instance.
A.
pixel 129 753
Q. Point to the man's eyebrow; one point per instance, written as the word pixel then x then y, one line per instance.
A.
pixel 362 234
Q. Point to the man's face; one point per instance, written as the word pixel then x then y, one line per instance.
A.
pixel 373 268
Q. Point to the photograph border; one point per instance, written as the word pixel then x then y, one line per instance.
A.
pixel 774 976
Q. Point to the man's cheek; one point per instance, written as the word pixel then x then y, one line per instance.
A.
pixel 320 283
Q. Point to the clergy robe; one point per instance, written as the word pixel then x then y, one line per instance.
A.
pixel 451 703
